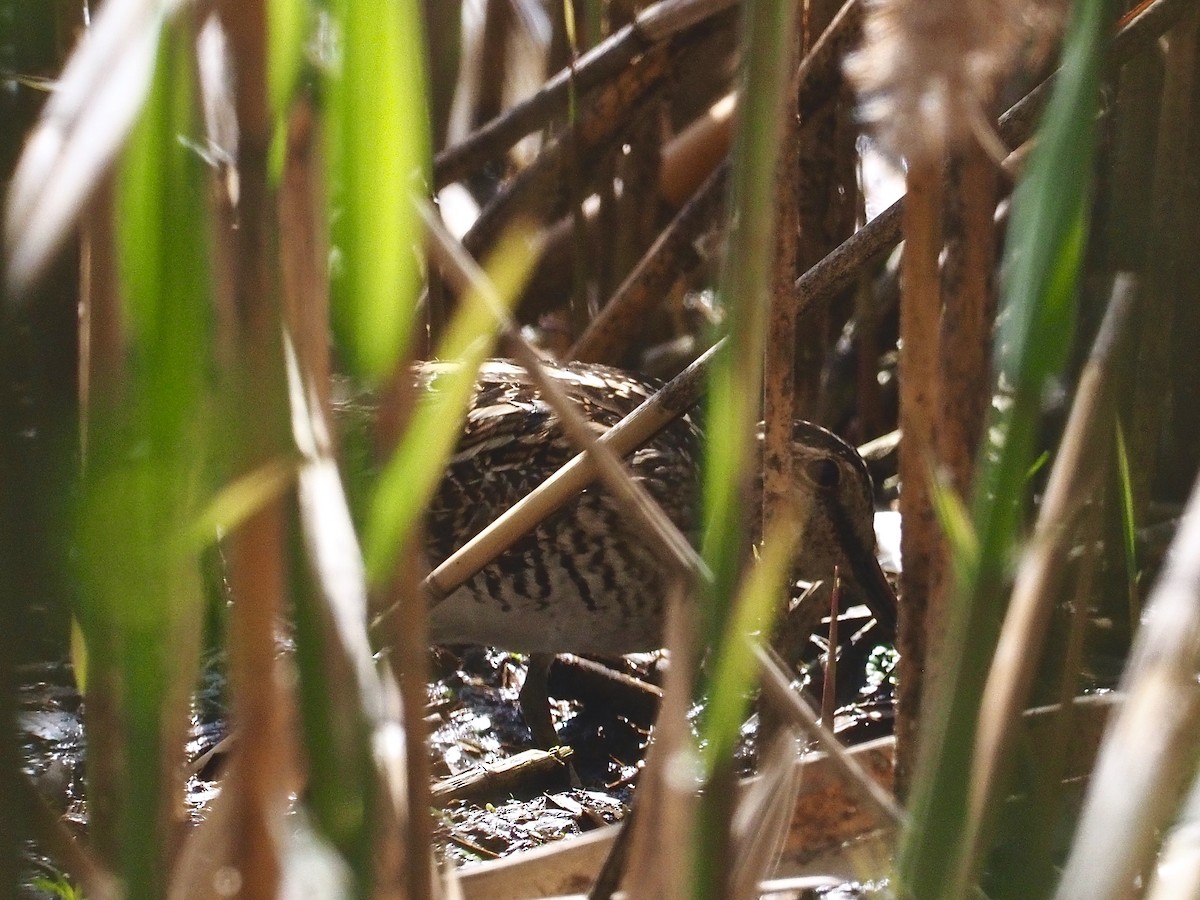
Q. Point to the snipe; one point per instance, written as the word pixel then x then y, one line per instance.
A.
pixel 583 581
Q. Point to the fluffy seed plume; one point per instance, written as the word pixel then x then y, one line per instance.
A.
pixel 928 69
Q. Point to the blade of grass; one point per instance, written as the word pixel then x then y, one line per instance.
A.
pixel 736 666
pixel 379 155
pixel 83 127
pixel 288 22
pixel 1043 256
pixel 141 604
pixel 1128 524
pixel 411 475
pixel 734 400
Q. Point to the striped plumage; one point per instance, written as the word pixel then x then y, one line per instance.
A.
pixel 583 581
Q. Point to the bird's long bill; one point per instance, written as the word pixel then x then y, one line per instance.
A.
pixel 865 569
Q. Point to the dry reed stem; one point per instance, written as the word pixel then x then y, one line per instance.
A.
pixel 969 299
pixel 779 363
pixel 304 252
pixel 921 544
pixel 1174 164
pixel 257 549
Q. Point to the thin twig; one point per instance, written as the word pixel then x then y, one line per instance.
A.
pixel 829 684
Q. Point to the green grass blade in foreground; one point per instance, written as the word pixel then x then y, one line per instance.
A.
pixel 140 606
pixel 955 522
pixel 288 24
pixel 735 671
pixel 411 476
pixel 237 501
pixel 379 157
pixel 735 387
pixel 1044 251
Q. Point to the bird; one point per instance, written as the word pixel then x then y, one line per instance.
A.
pixel 584 581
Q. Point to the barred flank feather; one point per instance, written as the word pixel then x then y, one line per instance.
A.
pixel 928 69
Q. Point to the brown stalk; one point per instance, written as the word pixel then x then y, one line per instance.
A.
pixel 921 544
pixel 304 252
pixel 1164 282
pixel 779 361
pixel 825 182
pixel 969 301
pixel 963 377
pixel 256 549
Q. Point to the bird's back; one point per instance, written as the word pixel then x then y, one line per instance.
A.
pixel 582 581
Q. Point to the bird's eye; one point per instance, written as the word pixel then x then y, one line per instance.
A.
pixel 824 473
